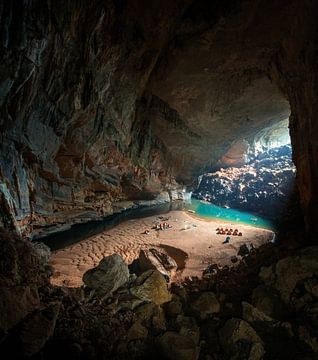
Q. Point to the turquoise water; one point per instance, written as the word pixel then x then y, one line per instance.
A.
pixel 210 211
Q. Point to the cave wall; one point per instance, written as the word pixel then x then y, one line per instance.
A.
pixel 294 68
pixel 70 77
pixel 102 101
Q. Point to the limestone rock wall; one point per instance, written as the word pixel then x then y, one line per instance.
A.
pixel 109 100
pixel 294 68
pixel 70 77
pixel 265 186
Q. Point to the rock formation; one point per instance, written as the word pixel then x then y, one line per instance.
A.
pixel 265 185
pixel 108 101
pixel 71 77
pixel 113 100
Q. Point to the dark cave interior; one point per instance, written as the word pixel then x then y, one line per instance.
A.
pixel 111 105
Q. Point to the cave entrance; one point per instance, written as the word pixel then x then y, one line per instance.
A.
pixel 256 175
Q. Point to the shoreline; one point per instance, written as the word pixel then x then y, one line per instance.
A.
pixel 188 234
pixel 232 222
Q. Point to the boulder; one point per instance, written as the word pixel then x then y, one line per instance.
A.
pixel 206 304
pixel 187 326
pixel 209 332
pixel 151 286
pixel 306 336
pixel 126 301
pixel 154 259
pixel 16 303
pixel 159 323
pixel 145 312
pixel 152 317
pixel 180 291
pixel 108 276
pixel 311 286
pixel 43 251
pixel 265 300
pixel 174 307
pixel 288 272
pixel 39 328
pixel 175 346
pixel 238 337
pixel 252 314
pixel 278 337
pixel 137 331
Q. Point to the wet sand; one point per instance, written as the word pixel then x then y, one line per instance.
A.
pixel 191 235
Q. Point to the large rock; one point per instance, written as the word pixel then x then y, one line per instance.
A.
pixel 205 305
pixel 43 251
pixel 137 331
pixel 16 303
pixel 152 317
pixel 155 259
pixel 267 301
pixel 174 307
pixel 111 273
pixel 39 328
pixel 278 337
pixel 151 286
pixel 187 326
pixel 175 346
pixel 252 314
pixel 238 337
pixel 288 272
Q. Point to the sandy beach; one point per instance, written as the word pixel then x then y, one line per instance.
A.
pixel 190 240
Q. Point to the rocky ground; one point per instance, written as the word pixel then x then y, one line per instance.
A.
pixel 265 185
pixel 264 308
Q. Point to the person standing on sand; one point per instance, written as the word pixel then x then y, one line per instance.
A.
pixel 227 240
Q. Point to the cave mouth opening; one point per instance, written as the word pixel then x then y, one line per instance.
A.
pixel 254 180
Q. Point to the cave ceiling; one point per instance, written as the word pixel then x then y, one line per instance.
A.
pixel 216 87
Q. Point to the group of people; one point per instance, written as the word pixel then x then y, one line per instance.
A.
pixel 226 231
pixel 161 226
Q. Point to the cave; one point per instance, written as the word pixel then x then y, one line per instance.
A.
pixel 112 113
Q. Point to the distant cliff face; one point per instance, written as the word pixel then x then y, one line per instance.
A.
pixel 265 185
pixel 104 101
